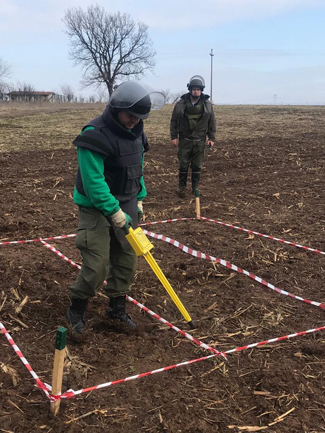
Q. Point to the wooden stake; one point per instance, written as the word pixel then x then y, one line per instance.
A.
pixel 59 357
pixel 197 204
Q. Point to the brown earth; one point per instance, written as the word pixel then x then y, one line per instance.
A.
pixel 265 173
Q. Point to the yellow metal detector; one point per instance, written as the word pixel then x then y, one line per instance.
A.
pixel 142 246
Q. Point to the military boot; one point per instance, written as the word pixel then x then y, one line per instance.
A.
pixel 182 181
pixel 76 315
pixel 116 311
pixel 195 181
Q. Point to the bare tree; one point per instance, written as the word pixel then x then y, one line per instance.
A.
pixel 167 95
pixel 5 69
pixel 4 89
pixel 26 90
pixel 25 87
pixel 5 72
pixel 175 96
pixel 67 92
pixel 109 46
pixel 102 94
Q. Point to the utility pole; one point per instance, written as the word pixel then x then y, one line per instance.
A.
pixel 211 54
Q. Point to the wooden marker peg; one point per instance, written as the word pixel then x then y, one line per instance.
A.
pixel 197 203
pixel 59 357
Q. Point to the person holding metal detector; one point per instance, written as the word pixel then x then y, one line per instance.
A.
pixel 192 121
pixel 109 191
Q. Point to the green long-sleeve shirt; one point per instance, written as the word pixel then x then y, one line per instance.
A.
pixel 98 194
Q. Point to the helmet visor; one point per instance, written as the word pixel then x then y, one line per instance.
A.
pixel 130 93
pixel 196 81
pixel 157 100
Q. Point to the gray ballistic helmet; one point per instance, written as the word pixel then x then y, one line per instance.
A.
pixel 136 98
pixel 196 81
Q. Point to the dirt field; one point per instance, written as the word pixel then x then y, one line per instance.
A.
pixel 266 174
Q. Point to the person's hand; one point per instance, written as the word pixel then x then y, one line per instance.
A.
pixel 175 142
pixel 210 143
pixel 122 220
pixel 140 211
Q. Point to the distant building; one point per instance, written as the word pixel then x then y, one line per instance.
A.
pixel 27 96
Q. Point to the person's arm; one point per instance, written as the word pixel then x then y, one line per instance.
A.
pixel 211 127
pixel 174 126
pixel 91 166
pixel 143 191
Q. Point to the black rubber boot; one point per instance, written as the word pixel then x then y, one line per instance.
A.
pixel 195 181
pixel 182 181
pixel 116 311
pixel 76 315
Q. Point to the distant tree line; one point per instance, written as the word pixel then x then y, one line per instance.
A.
pixel 109 47
pixel 65 93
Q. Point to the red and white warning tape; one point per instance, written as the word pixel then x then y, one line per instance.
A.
pixel 237 228
pixel 38 239
pixel 152 313
pixel 167 221
pixel 175 328
pixel 264 236
pixel 71 393
pixel 206 257
pixel 182 219
pixel 57 252
pixel 230 266
pixel 39 383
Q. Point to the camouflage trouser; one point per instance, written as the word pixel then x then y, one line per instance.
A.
pixel 102 258
pixel 190 153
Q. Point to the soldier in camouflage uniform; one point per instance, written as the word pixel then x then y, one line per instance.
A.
pixel 192 121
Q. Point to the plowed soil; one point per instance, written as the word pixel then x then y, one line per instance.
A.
pixel 266 174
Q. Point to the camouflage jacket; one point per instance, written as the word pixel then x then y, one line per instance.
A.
pixel 179 124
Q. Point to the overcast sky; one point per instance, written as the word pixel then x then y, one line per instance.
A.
pixel 265 51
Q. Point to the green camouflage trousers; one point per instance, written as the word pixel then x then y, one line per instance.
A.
pixel 190 153
pixel 102 258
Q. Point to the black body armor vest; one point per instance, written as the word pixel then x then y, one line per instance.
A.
pixel 123 152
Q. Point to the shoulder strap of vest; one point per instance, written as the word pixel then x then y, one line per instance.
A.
pixel 93 139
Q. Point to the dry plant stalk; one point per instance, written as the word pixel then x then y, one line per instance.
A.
pixel 95 411
pixel 21 305
pixel 13 404
pixel 18 321
pixel 12 372
pixel 1 306
pixel 15 293
pixel 248 428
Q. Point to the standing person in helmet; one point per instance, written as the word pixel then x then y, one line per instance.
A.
pixel 109 191
pixel 191 123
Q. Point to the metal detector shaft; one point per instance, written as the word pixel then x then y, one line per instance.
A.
pixel 154 266
pixel 142 246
